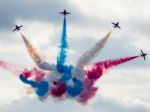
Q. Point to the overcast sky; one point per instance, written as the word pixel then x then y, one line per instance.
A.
pixel 125 88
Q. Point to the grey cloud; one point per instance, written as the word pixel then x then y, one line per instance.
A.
pixel 114 48
pixel 101 104
pixel 110 105
pixel 138 26
pixel 46 10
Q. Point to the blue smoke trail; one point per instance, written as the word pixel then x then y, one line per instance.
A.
pixel 40 87
pixel 63 53
pixel 76 89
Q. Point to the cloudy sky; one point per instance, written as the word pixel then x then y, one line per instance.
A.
pixel 125 88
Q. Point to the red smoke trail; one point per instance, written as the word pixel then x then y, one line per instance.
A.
pixel 11 67
pixel 95 73
pixel 35 74
pixel 39 74
pixel 88 92
pixel 58 89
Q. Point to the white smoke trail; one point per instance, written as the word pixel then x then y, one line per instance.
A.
pixel 36 56
pixel 92 52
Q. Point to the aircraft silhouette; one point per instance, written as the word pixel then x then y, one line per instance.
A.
pixel 17 28
pixel 143 55
pixel 116 25
pixel 65 13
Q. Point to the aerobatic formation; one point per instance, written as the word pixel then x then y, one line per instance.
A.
pixel 61 80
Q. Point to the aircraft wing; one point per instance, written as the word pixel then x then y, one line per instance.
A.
pixel 113 23
pixel 61 13
pixel 119 27
pixel 14 29
pixel 68 13
pixel 144 57
pixel 142 52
